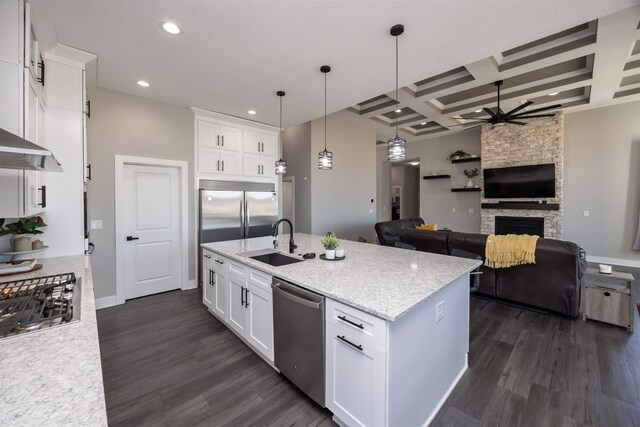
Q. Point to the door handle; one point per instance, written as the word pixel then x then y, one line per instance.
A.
pixel 343 339
pixel 130 238
pixel 88 172
pixel 246 297
pixel 242 296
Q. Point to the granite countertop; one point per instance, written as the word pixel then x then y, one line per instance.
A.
pixel 384 281
pixel 53 376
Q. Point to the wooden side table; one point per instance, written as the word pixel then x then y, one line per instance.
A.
pixel 608 297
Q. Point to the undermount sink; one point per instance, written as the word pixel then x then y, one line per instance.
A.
pixel 271 257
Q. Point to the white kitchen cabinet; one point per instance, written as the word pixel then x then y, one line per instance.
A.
pixel 236 304
pixel 219 149
pixel 34 182
pixel 355 378
pixel 259 165
pixel 240 296
pixel 260 143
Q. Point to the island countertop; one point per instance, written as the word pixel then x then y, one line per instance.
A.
pixel 53 376
pixel 384 281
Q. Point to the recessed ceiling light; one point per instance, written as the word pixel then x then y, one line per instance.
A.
pixel 423 123
pixel 414 163
pixel 143 83
pixel 553 93
pixel 251 112
pixel 398 110
pixel 478 111
pixel 171 28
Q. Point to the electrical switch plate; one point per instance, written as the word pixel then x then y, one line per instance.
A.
pixel 586 213
pixel 439 311
pixel 96 224
pixel 471 210
pixel 453 210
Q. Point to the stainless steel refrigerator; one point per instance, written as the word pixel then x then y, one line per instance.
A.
pixel 235 210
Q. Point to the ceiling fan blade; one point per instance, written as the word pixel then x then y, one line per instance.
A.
pixel 537 110
pixel 490 112
pixel 515 122
pixel 519 107
pixel 534 116
pixel 469 123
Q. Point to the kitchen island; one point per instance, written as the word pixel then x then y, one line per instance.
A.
pixel 53 376
pixel 397 321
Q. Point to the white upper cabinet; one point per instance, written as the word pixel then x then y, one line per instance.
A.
pixel 227 151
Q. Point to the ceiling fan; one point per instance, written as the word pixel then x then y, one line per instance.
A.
pixel 499 117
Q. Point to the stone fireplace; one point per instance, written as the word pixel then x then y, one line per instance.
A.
pixel 519 225
pixel 540 141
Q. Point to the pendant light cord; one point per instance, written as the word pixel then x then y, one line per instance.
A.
pixel 280 121
pixel 325 111
pixel 397 103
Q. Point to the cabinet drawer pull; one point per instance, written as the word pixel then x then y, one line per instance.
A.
pixel 207 256
pixel 342 338
pixel 219 262
pixel 242 296
pixel 357 325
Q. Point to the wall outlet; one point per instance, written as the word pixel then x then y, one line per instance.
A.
pixel 586 213
pixel 440 311
pixel 96 224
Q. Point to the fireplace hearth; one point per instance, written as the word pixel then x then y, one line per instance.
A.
pixel 519 225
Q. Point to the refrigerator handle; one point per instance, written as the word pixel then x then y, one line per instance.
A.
pixel 247 219
pixel 242 219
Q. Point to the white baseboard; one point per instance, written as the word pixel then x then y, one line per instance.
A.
pixel 449 391
pixel 106 302
pixel 614 261
pixel 191 284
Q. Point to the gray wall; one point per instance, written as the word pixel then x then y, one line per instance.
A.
pixel 437 202
pixel 602 176
pixel 129 125
pixel 296 150
pixel 341 197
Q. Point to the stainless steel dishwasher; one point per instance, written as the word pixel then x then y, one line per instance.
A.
pixel 298 329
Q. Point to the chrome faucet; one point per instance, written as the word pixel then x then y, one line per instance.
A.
pixel 274 233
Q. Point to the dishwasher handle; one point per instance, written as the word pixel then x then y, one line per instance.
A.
pixel 298 296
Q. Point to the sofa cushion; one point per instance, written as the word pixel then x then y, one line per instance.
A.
pixel 389 231
pixel 426 240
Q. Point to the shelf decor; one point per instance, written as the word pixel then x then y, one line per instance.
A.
pixel 19 230
pixel 471 173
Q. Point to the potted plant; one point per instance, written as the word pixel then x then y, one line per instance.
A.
pixel 330 243
pixel 19 230
pixel 458 154
pixel 471 173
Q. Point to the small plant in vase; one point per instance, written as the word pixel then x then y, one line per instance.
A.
pixel 470 173
pixel 330 243
pixel 458 154
pixel 19 230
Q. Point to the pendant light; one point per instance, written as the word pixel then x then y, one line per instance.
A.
pixel 396 146
pixel 325 158
pixel 281 165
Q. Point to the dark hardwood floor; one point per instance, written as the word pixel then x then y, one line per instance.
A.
pixel 167 361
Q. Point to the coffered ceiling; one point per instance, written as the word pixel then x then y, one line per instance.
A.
pixel 590 65
pixel 233 55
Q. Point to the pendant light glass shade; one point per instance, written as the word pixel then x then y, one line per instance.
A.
pixel 396 149
pixel 396 146
pixel 325 158
pixel 281 165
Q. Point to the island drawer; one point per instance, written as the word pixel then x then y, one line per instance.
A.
pixel 259 278
pixel 364 326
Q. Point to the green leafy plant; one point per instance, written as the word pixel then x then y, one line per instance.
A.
pixel 23 226
pixel 471 173
pixel 458 153
pixel 330 241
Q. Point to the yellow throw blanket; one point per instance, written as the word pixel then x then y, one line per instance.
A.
pixel 510 250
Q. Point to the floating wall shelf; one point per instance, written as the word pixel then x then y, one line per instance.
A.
pixel 436 177
pixel 464 189
pixel 466 160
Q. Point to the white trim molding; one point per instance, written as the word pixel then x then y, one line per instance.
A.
pixel 106 302
pixel 183 166
pixel 614 261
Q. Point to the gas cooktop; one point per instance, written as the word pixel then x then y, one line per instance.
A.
pixel 40 302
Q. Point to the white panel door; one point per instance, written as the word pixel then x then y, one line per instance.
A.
pixel 152 229
pixel 260 320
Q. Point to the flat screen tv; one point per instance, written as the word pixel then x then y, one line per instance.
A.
pixel 534 181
